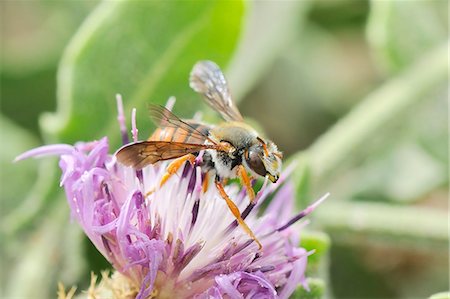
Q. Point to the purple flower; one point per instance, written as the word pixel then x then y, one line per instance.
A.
pixel 180 242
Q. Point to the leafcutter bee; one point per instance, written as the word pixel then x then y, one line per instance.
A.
pixel 230 149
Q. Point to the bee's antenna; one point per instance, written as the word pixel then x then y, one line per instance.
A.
pixel 266 151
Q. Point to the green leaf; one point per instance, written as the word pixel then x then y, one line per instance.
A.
pixel 320 243
pixel 19 141
pixel 13 190
pixel 23 199
pixel 318 263
pixel 316 290
pixel 143 50
pixel 35 273
pixel 401 31
pixel 46 30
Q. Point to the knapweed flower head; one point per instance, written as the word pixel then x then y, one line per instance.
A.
pixel 178 241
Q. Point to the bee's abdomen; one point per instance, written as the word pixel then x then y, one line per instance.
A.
pixel 179 135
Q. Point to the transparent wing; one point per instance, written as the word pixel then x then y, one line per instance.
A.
pixel 165 118
pixel 140 154
pixel 208 80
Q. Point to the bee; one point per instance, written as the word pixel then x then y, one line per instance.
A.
pixel 230 149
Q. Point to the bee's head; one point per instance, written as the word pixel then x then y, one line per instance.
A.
pixel 264 159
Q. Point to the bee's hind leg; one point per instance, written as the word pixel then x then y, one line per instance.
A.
pixel 234 209
pixel 205 183
pixel 175 165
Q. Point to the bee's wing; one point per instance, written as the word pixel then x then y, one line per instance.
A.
pixel 165 118
pixel 208 80
pixel 140 154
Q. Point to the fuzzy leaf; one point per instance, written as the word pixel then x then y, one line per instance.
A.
pixel 33 274
pixel 143 50
pixel 22 199
pixel 19 141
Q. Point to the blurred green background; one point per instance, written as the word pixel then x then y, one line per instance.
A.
pixel 355 91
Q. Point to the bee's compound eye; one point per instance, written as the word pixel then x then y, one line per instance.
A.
pixel 255 163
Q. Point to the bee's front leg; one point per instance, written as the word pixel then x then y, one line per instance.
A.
pixel 246 181
pixel 236 213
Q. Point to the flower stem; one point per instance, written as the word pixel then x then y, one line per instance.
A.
pixel 375 111
pixel 398 226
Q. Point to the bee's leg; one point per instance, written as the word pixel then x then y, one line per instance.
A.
pixel 245 179
pixel 150 192
pixel 175 165
pixel 205 183
pixel 234 209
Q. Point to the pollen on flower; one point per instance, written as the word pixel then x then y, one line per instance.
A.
pixel 115 286
pixel 180 241
pixel 62 292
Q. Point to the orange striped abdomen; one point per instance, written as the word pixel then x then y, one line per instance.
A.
pixel 180 135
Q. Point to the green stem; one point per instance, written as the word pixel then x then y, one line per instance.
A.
pixel 384 223
pixel 374 112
